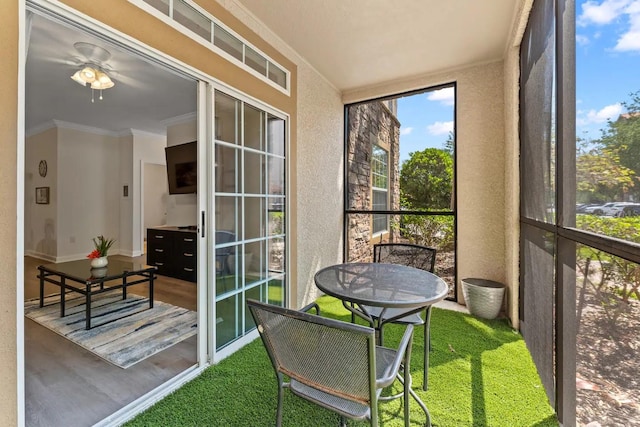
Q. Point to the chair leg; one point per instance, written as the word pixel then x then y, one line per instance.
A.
pixel 427 348
pixel 280 396
pixel 407 384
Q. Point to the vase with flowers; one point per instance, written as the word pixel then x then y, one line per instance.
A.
pixel 98 256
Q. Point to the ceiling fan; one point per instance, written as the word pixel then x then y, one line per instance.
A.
pixel 92 67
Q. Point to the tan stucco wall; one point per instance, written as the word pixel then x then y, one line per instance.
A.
pixel 511 161
pixel 512 183
pixel 481 170
pixel 8 212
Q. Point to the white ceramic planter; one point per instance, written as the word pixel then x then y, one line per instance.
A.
pixel 483 297
pixel 99 262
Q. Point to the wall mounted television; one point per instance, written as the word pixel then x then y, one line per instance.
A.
pixel 182 168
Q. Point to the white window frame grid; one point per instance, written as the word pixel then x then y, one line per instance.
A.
pixel 240 289
pixel 375 161
pixel 209 44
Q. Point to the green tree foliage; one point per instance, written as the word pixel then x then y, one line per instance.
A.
pixel 600 176
pixel 614 281
pixel 434 231
pixel 449 144
pixel 426 180
pixel 623 136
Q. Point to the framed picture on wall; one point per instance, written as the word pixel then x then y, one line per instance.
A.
pixel 42 195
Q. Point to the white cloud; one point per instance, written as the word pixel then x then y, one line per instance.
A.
pixel 440 128
pixel 446 96
pixel 406 131
pixel 609 11
pixel 631 39
pixel 610 112
pixel 603 13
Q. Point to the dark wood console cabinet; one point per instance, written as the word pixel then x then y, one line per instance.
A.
pixel 173 251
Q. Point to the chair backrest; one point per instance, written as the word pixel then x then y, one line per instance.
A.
pixel 225 237
pixel 417 256
pixel 329 355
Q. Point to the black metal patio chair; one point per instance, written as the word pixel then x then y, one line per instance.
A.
pixel 331 363
pixel 417 256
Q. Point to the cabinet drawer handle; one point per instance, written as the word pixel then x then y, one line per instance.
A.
pixel 190 270
pixel 159 250
pixel 187 254
pixel 159 237
pixel 159 263
pixel 188 240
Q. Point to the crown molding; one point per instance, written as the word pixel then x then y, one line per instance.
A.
pixel 59 124
pixel 138 132
pixel 178 120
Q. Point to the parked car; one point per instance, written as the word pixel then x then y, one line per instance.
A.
pixel 598 209
pixel 615 208
pixel 580 207
pixel 629 210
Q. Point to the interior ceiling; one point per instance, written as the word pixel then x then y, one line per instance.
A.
pixel 143 97
pixel 358 43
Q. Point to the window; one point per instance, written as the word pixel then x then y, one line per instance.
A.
pixel 399 183
pixel 208 30
pixel 580 259
pixel 379 187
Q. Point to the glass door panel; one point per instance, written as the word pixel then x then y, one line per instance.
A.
pixel 228 168
pixel 249 264
pixel 253 128
pixel 228 219
pixel 227 320
pixel 276 255
pixel 254 165
pixel 254 218
pixel 227 118
pixel 275 135
pixel 257 268
pixel 275 175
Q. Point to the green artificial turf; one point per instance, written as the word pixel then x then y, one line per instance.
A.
pixel 480 374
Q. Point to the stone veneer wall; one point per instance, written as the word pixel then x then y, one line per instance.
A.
pixel 370 123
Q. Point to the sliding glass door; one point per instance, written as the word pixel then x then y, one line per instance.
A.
pixel 250 198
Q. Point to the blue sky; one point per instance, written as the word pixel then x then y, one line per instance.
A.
pixel 426 120
pixel 607 68
pixel 607 61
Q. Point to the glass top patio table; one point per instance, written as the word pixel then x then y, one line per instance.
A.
pixel 381 285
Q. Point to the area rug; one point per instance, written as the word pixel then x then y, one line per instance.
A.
pixel 123 342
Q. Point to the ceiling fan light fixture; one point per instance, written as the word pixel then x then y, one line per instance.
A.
pixel 78 78
pixel 100 85
pixel 92 72
pixel 88 74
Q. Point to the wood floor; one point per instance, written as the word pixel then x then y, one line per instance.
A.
pixel 66 385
